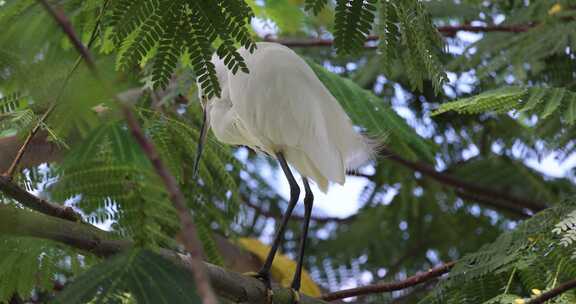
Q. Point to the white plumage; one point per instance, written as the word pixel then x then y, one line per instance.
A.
pixel 282 106
pixel 284 110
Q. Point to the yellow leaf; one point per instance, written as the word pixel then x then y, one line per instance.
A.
pixel 283 267
pixel 536 291
pixel 519 301
pixel 556 8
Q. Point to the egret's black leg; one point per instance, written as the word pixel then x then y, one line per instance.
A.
pixel 264 272
pixel 308 201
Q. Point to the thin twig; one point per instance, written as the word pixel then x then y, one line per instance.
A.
pixel 449 31
pixel 552 293
pixel 511 208
pixel 452 181
pixel 64 23
pixel 189 236
pixel 10 172
pixel 386 287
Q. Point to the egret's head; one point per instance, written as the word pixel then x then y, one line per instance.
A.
pixel 206 103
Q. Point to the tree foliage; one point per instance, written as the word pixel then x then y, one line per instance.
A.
pixel 465 97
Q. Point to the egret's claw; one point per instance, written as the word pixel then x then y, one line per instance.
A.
pixel 295 296
pixel 266 280
pixel 269 295
pixel 253 274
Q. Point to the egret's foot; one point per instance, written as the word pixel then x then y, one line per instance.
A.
pixel 264 278
pixel 295 296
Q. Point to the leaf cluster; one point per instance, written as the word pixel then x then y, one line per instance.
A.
pixel 527 258
pixel 164 31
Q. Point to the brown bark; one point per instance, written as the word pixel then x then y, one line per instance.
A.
pixel 387 287
pixel 230 285
pixel 39 151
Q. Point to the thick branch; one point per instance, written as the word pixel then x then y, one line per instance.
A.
pixel 552 293
pixel 521 203
pixel 234 257
pixel 386 287
pixel 229 285
pixel 27 199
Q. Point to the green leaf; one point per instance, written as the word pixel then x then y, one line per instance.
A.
pixel 30 264
pixel 353 23
pixel 165 31
pixel 315 6
pixel 532 250
pixel 408 36
pixel 144 275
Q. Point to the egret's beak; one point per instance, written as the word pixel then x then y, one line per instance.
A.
pixel 202 138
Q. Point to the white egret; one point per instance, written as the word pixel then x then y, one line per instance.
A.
pixel 281 108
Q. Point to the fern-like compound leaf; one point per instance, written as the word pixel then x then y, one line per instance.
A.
pixel 164 31
pixel 315 6
pixel 354 20
pixel 408 36
pixel 138 275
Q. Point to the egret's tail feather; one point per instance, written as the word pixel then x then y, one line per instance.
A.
pixel 307 167
pixel 363 151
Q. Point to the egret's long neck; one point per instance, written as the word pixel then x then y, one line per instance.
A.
pixel 221 119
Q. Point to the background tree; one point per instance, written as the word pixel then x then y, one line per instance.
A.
pixel 472 102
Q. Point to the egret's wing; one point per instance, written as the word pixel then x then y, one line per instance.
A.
pixel 288 108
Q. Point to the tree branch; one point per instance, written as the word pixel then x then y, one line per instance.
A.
pixel 511 208
pixel 517 203
pixel 43 151
pixel 235 258
pixel 386 287
pixel 29 200
pixel 64 23
pixel 189 235
pixel 229 285
pixel 10 171
pixel 552 293
pixel 449 31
